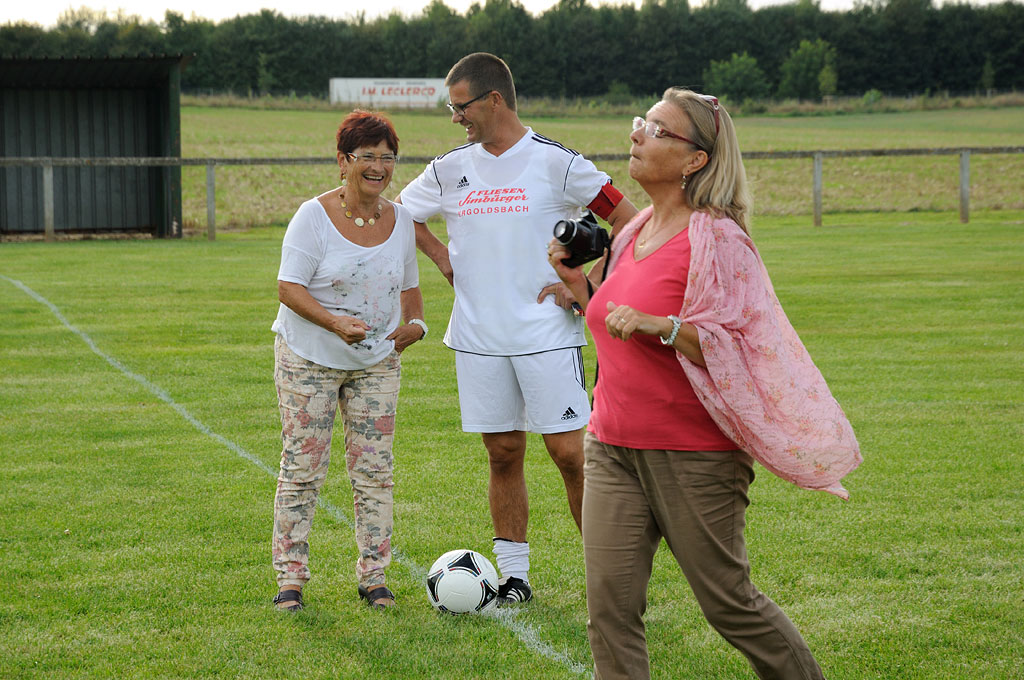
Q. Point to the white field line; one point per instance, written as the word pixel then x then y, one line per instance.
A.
pixel 507 617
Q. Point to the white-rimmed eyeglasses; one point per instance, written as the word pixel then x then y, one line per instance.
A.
pixel 369 158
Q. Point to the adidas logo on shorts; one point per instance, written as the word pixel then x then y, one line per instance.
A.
pixel 569 414
pixel 463 183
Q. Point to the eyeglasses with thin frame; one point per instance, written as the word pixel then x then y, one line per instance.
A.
pixel 460 109
pixel 654 130
pixel 369 158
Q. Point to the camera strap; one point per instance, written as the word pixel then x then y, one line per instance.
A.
pixel 590 292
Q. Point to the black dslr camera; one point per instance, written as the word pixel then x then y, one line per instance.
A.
pixel 584 238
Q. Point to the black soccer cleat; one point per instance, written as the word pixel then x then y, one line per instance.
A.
pixel 513 590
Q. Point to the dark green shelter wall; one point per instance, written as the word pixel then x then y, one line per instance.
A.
pixel 81 107
pixel 81 123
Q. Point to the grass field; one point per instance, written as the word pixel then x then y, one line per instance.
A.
pixel 256 195
pixel 137 500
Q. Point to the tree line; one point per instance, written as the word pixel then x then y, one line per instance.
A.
pixel 573 49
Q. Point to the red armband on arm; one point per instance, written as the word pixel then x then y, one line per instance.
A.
pixel 605 201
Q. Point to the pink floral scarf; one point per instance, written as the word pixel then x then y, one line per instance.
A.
pixel 760 385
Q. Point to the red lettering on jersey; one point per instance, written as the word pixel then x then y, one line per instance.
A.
pixel 509 195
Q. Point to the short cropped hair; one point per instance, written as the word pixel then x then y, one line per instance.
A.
pixel 363 128
pixel 484 72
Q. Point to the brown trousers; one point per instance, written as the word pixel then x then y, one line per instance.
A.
pixel 697 501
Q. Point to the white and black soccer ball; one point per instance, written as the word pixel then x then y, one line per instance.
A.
pixel 462 581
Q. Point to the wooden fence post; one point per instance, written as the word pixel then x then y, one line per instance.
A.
pixel 965 186
pixel 817 188
pixel 211 202
pixel 48 230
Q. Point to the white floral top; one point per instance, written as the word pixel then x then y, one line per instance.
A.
pixel 347 280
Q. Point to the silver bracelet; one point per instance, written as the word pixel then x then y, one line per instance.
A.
pixel 422 324
pixel 676 323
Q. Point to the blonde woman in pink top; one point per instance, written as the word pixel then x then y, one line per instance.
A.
pixel 701 374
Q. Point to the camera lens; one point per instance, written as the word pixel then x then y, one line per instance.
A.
pixel 565 231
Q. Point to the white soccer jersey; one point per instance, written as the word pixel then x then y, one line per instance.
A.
pixel 500 212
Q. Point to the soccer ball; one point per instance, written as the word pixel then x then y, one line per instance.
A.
pixel 462 581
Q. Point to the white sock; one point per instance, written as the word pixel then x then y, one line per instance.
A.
pixel 513 558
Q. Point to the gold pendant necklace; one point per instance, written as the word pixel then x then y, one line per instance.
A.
pixel 643 242
pixel 359 220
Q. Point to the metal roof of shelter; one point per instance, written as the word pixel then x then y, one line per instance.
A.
pixel 88 72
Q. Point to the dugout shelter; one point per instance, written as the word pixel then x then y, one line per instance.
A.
pixel 90 108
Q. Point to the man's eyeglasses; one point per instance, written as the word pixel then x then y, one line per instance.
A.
pixel 460 109
pixel 369 158
pixel 655 130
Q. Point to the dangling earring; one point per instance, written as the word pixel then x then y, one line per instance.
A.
pixel 343 180
pixel 683 185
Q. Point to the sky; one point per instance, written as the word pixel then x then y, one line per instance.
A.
pixel 46 12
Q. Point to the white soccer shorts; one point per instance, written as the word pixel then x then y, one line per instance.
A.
pixel 544 392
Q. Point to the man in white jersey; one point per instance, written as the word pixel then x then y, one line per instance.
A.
pixel 517 341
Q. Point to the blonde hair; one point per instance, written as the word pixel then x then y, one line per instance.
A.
pixel 720 187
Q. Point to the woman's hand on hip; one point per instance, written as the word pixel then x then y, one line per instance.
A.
pixel 405 335
pixel 350 329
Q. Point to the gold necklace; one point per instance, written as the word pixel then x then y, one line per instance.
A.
pixel 643 242
pixel 359 220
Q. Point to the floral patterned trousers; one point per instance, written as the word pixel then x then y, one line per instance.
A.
pixel 309 395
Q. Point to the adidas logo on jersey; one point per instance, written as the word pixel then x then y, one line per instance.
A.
pixel 463 183
pixel 569 414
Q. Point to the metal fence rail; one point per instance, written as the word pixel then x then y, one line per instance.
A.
pixel 817 157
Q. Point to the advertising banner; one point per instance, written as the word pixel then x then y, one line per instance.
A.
pixel 389 92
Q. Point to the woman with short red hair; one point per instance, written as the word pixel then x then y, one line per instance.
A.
pixel 350 304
